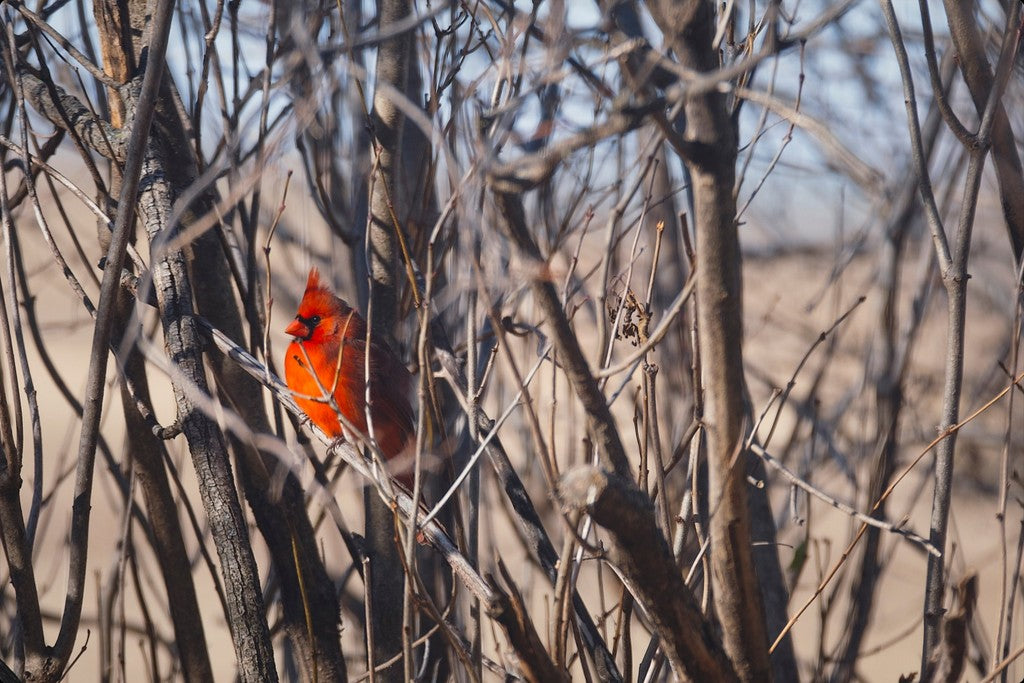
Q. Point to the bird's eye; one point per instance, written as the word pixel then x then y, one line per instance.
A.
pixel 314 321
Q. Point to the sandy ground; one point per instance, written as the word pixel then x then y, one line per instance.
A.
pixel 789 301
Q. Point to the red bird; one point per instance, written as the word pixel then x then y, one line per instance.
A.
pixel 333 336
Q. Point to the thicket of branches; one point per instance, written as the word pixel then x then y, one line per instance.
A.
pixel 542 207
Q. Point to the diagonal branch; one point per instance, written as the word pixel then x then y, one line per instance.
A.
pixel 640 552
pixel 600 423
pixel 105 316
pixel 530 523
pixel 531 170
pixel 394 497
pixel 981 81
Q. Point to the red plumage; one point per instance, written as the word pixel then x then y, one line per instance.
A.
pixel 333 335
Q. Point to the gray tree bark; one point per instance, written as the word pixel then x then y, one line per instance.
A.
pixel 382 253
pixel 709 151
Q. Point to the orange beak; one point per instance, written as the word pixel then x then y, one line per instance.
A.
pixel 297 328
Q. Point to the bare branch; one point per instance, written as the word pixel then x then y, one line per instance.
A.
pixel 599 418
pixel 710 156
pixel 981 82
pixel 642 556
pixel 136 151
pixel 917 145
pixel 510 611
pixel 839 505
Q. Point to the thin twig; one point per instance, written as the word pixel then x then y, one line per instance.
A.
pixel 793 479
pixel 135 154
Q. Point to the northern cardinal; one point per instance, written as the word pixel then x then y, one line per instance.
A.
pixel 333 336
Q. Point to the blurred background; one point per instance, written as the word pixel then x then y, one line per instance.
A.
pixel 274 122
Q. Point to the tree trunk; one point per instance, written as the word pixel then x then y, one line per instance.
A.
pixel 709 151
